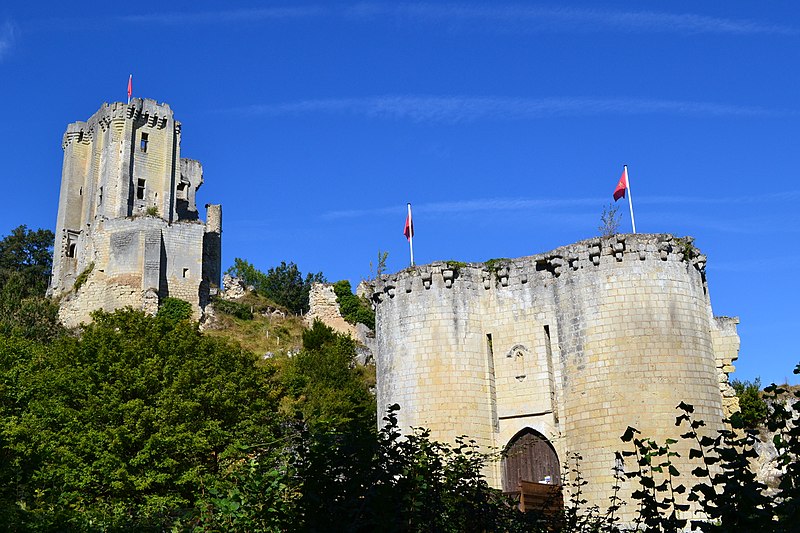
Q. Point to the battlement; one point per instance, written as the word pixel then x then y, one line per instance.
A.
pixel 587 254
pixel 142 110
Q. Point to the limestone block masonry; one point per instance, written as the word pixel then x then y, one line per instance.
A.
pixel 128 232
pixel 574 346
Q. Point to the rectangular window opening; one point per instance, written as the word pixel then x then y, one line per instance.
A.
pixel 143 144
pixel 491 379
pixel 72 244
pixel 551 372
pixel 185 272
pixel 140 189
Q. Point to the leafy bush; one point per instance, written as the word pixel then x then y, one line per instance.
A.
pixel 354 309
pixel 232 308
pixel 323 382
pixel 174 309
pixel 752 407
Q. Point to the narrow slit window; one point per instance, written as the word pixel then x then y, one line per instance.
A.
pixel 100 197
pixel 143 144
pixel 140 189
pixel 185 272
pixel 71 249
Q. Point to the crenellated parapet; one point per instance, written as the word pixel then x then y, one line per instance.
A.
pixel 584 255
pixel 143 111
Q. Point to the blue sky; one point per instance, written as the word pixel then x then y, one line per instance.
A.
pixel 505 124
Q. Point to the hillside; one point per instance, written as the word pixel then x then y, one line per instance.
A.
pixel 257 324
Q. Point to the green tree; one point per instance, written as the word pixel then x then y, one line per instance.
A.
pixel 323 382
pixel 25 265
pixel 124 426
pixel 331 480
pixel 752 407
pixel 609 221
pixel 29 253
pixel 283 284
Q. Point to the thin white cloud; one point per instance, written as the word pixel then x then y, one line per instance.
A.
pixel 7 36
pixel 782 196
pixel 467 206
pixel 226 16
pixel 556 19
pixel 470 17
pixel 521 203
pixel 468 108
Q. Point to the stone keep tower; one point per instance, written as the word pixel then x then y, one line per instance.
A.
pixel 128 231
pixel 554 354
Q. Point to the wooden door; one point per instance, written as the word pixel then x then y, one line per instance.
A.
pixel 529 456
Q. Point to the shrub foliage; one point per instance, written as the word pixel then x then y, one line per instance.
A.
pixel 353 308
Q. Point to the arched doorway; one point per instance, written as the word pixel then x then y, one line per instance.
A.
pixel 529 456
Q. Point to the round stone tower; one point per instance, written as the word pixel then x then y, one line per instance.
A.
pixel 555 353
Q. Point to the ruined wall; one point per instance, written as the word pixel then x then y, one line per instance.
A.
pixel 726 348
pixel 127 219
pixel 578 344
pixel 322 306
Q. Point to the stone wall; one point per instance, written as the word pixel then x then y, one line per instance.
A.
pixel 577 344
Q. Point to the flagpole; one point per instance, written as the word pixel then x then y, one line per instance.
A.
pixel 630 196
pixel 411 235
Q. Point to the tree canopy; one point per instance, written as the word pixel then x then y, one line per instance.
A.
pixel 283 284
pixel 125 425
pixel 25 265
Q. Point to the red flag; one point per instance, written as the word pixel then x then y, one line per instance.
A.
pixel 408 230
pixel 622 186
pixel 130 86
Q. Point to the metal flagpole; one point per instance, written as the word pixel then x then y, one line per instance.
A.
pixel 411 234
pixel 630 196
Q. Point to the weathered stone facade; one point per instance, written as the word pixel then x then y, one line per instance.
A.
pixel 128 227
pixel 574 346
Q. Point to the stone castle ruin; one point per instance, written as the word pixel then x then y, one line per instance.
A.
pixel 128 231
pixel 555 354
pixel 542 356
